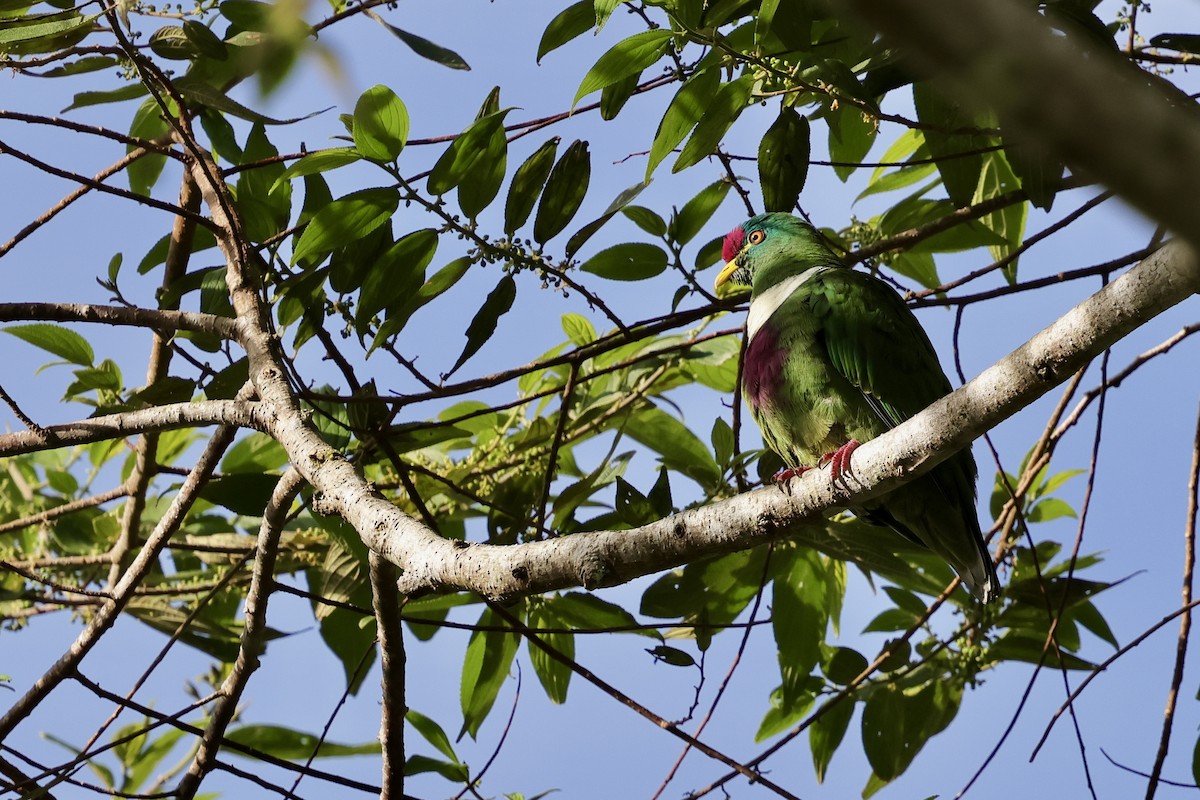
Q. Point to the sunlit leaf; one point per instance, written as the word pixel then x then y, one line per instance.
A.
pixel 570 23
pixel 633 261
pixel 489 655
pixel 62 342
pixel 347 218
pixel 684 111
pixel 380 124
pixel 627 57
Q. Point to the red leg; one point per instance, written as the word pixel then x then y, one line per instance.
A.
pixel 839 460
pixel 785 475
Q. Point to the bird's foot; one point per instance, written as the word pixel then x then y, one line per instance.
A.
pixel 785 475
pixel 839 460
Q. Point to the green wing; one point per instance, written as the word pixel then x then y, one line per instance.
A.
pixel 875 342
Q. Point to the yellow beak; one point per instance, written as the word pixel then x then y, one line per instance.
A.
pixel 726 273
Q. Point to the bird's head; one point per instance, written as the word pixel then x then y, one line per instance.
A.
pixel 767 248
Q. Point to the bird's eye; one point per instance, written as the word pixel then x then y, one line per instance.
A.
pixel 756 236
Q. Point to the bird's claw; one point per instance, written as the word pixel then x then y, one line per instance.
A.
pixel 785 475
pixel 839 460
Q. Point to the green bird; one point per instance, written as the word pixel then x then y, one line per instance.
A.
pixel 834 358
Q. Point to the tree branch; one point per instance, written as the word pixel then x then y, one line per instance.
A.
pixel 115 426
pixel 607 558
pixel 1149 152
pixel 151 318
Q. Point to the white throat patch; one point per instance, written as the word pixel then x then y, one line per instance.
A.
pixel 767 303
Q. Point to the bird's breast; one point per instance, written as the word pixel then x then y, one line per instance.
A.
pixel 762 371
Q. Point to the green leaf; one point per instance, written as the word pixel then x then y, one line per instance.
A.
pixel 844 665
pixel 554 675
pixel 397 274
pixel 131 91
pixel 483 324
pixel 489 656
pixel 465 153
pixel 12 32
pixel 633 261
pixel 570 23
pixel 441 281
pixel 207 42
pixel 583 234
pixel 380 124
pixel 1039 172
pixel 762 28
pixel 1181 42
pixel 696 212
pixel 627 57
pixel 1050 508
pixel 896 724
pixel 918 266
pixel 527 184
pixel 998 178
pixel 320 161
pixel 197 91
pixel 684 111
pixel 578 329
pixel 720 114
pixel 565 189
pixel 672 655
pixel 614 97
pixel 721 437
pixel 780 717
pixel 680 449
pixel 257 453
pixel 783 160
pixel 418 764
pixel 247 493
pixel 646 219
pixel 604 10
pixel 960 173
pixel 427 49
pixel 481 182
pixel 850 138
pixel 798 592
pixel 345 219
pixel 81 66
pixel 589 613
pixel 1196 749
pixel 172 42
pixel 148 123
pixel 62 342
pixel 432 733
pixel 292 744
pixel 827 733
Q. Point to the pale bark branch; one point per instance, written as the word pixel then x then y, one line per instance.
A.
pixel 386 603
pixel 107 614
pixel 153 319
pixel 607 558
pixel 237 413
pixel 254 633
pixel 1132 131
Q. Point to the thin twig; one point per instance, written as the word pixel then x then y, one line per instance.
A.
pixel 254 632
pixel 386 601
pixel 1185 619
pixel 106 615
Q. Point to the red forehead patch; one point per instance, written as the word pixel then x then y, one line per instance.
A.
pixel 733 244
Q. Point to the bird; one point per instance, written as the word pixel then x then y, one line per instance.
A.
pixel 834 358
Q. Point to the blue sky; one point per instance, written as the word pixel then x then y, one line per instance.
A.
pixel 591 746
